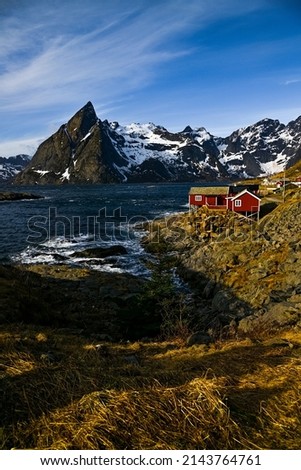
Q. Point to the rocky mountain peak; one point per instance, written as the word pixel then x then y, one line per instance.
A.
pixel 295 125
pixel 187 130
pixel 82 121
pixel 76 153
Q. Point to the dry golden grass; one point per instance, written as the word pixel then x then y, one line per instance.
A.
pixel 62 391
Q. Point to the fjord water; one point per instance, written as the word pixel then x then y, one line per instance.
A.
pixel 70 219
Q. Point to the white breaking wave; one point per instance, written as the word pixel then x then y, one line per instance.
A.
pixel 60 250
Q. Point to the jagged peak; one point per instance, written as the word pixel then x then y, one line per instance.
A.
pixel 195 130
pixel 87 109
pixel 83 120
pixel 187 130
pixel 88 106
pixel 264 123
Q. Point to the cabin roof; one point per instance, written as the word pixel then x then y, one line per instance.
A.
pixel 210 190
pixel 242 193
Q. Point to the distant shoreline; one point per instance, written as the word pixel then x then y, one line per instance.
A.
pixel 13 196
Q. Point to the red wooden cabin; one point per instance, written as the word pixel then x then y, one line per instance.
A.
pixel 244 202
pixel 214 197
pixel 235 198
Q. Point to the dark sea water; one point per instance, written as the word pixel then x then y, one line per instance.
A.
pixel 72 218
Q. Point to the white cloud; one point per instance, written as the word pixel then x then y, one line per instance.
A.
pixel 46 60
pixel 15 147
pixel 65 64
pixel 292 81
pixel 56 55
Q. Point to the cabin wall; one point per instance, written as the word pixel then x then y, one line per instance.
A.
pixel 248 204
pixel 194 202
pixel 219 200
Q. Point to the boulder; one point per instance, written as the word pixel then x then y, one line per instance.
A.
pixel 100 252
pixel 276 317
pixel 224 301
pixel 282 314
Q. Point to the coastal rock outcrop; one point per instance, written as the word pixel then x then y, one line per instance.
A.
pixel 245 276
pixel 101 252
pixel 17 196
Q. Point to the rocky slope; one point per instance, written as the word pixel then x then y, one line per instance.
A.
pixel 246 276
pixel 88 150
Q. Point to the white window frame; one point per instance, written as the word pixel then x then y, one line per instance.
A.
pixel 198 198
pixel 237 203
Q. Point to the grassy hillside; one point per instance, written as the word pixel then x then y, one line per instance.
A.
pixel 64 392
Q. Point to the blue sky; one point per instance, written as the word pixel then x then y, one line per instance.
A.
pixel 220 64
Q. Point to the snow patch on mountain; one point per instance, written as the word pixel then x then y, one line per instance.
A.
pixel 66 174
pixel 140 142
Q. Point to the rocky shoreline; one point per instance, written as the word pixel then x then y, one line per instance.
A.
pixel 245 276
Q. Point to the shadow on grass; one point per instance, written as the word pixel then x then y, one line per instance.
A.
pixel 40 377
pixel 43 374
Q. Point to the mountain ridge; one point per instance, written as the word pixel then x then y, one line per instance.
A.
pixel 88 150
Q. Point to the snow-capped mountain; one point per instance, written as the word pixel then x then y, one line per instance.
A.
pixel 11 166
pixel 88 150
pixel 263 148
pixel 152 151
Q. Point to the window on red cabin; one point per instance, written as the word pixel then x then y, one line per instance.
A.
pixel 237 203
pixel 198 198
